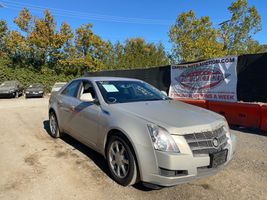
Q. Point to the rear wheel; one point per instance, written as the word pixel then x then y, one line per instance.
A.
pixel 53 125
pixel 121 161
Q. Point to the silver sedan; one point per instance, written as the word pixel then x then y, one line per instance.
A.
pixel 143 134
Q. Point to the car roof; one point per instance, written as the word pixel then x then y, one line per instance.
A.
pixel 107 78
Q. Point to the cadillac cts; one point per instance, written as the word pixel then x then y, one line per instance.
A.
pixel 143 134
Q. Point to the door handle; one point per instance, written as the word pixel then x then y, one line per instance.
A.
pixel 59 102
pixel 72 108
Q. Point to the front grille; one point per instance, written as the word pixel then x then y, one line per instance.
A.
pixel 203 142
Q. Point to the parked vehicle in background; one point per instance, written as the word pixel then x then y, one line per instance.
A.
pixel 143 134
pixel 57 86
pixel 34 90
pixel 11 89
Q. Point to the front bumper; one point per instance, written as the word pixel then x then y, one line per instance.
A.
pixel 7 94
pixel 34 94
pixel 187 166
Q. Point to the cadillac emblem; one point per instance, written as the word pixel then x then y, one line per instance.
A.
pixel 215 142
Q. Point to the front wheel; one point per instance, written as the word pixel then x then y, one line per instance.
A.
pixel 121 161
pixel 53 125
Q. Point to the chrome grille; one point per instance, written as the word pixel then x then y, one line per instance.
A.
pixel 202 142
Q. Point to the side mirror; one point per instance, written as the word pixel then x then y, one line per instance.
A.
pixel 87 97
pixel 163 92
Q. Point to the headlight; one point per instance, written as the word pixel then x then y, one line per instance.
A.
pixel 40 91
pixel 226 128
pixel 10 91
pixel 161 138
pixel 27 92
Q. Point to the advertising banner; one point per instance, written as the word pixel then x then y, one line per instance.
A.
pixel 214 79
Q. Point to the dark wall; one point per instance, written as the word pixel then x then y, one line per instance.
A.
pixel 251 77
pixel 159 77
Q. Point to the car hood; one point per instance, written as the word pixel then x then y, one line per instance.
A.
pixel 177 117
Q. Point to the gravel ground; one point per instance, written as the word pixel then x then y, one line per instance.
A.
pixel 35 166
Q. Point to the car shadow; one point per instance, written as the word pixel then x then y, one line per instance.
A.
pixel 97 158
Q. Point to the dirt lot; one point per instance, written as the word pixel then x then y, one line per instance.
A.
pixel 35 166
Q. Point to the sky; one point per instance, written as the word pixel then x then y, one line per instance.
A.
pixel 117 20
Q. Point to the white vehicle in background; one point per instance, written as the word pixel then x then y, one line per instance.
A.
pixel 57 86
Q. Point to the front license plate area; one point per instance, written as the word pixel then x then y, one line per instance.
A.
pixel 217 159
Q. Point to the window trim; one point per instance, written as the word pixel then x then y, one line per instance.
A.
pixel 76 91
pixel 79 90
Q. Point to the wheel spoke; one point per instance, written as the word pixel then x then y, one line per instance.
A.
pixel 125 161
pixel 122 150
pixel 117 147
pixel 112 152
pixel 113 162
pixel 123 170
pixel 118 170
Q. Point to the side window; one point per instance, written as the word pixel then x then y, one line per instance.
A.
pixel 88 90
pixel 71 89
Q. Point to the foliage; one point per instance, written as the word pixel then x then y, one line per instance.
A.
pixel 237 32
pixel 3 33
pixel 28 76
pixel 41 52
pixel 65 52
pixel 196 39
pixel 136 53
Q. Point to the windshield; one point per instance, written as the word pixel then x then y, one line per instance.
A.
pixel 129 91
pixel 35 85
pixel 8 84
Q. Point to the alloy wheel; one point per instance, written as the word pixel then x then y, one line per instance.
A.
pixel 53 124
pixel 118 159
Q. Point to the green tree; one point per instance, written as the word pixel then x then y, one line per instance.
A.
pixel 136 53
pixel 24 20
pixel 16 48
pixel 44 45
pixel 67 36
pixel 194 39
pixel 237 32
pixel 3 34
pixel 44 40
pixel 91 47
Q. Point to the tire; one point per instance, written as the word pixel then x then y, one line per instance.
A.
pixel 121 161
pixel 53 125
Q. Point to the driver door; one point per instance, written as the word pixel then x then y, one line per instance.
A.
pixel 86 116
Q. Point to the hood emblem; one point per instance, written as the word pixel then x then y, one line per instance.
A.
pixel 215 142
